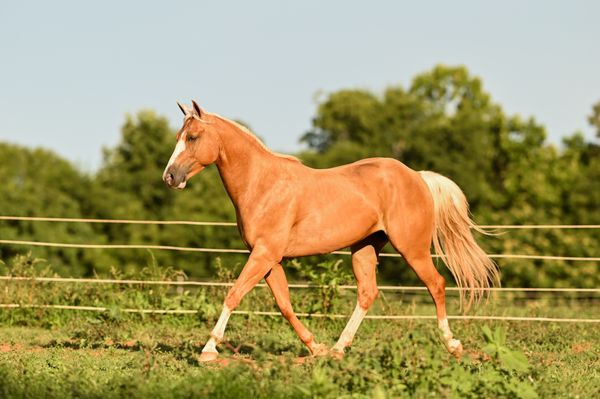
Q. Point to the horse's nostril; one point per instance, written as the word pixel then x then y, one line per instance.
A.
pixel 169 178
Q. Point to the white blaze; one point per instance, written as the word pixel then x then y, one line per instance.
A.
pixel 179 148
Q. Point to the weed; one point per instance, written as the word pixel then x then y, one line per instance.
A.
pixel 328 276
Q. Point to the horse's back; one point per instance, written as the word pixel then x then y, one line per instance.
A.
pixel 398 187
pixel 339 206
pixel 386 181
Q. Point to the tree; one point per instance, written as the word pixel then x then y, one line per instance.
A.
pixel 37 182
pixel 439 123
pixel 446 122
pixel 594 118
pixel 136 164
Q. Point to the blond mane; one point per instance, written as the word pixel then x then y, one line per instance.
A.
pixel 256 139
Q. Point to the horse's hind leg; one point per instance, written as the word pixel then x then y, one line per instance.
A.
pixel 364 262
pixel 277 281
pixel 435 283
pixel 419 259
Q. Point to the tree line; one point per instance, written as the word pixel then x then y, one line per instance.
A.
pixel 443 121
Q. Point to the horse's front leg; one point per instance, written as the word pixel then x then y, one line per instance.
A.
pixel 279 286
pixel 258 265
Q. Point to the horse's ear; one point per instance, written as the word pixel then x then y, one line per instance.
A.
pixel 183 108
pixel 197 109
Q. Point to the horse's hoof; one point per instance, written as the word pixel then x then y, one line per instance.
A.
pixel 337 354
pixel 206 357
pixel 319 350
pixel 455 348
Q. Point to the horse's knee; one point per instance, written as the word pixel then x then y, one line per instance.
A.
pixel 366 296
pixel 232 300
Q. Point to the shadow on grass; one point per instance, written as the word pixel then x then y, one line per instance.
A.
pixel 186 351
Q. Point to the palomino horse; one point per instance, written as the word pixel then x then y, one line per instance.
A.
pixel 286 209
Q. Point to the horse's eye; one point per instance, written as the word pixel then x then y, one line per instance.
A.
pixel 192 138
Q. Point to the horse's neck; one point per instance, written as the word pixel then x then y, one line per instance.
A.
pixel 243 162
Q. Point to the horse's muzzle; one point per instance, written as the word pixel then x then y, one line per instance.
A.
pixel 175 177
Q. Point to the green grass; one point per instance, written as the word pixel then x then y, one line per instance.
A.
pixel 157 357
pixel 80 354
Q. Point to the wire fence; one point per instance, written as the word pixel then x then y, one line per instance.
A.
pixel 300 286
pixel 179 283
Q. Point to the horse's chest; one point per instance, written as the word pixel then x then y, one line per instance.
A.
pixel 266 221
pixel 250 232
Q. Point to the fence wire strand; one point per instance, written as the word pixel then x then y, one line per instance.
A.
pixel 116 221
pixel 195 223
pixel 309 315
pixel 262 285
pixel 245 251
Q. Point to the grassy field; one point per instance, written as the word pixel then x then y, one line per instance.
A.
pixel 80 354
pixel 157 357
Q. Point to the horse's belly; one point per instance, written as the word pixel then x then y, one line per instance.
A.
pixel 324 232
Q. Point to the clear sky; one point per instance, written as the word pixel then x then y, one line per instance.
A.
pixel 71 70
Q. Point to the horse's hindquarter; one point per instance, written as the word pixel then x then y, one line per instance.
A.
pixel 338 207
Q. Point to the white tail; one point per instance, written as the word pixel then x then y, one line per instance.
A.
pixel 454 242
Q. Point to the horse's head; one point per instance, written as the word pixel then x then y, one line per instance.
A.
pixel 198 145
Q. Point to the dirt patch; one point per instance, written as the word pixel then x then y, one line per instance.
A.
pixel 95 353
pixel 5 347
pixel 224 361
pixel 581 347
